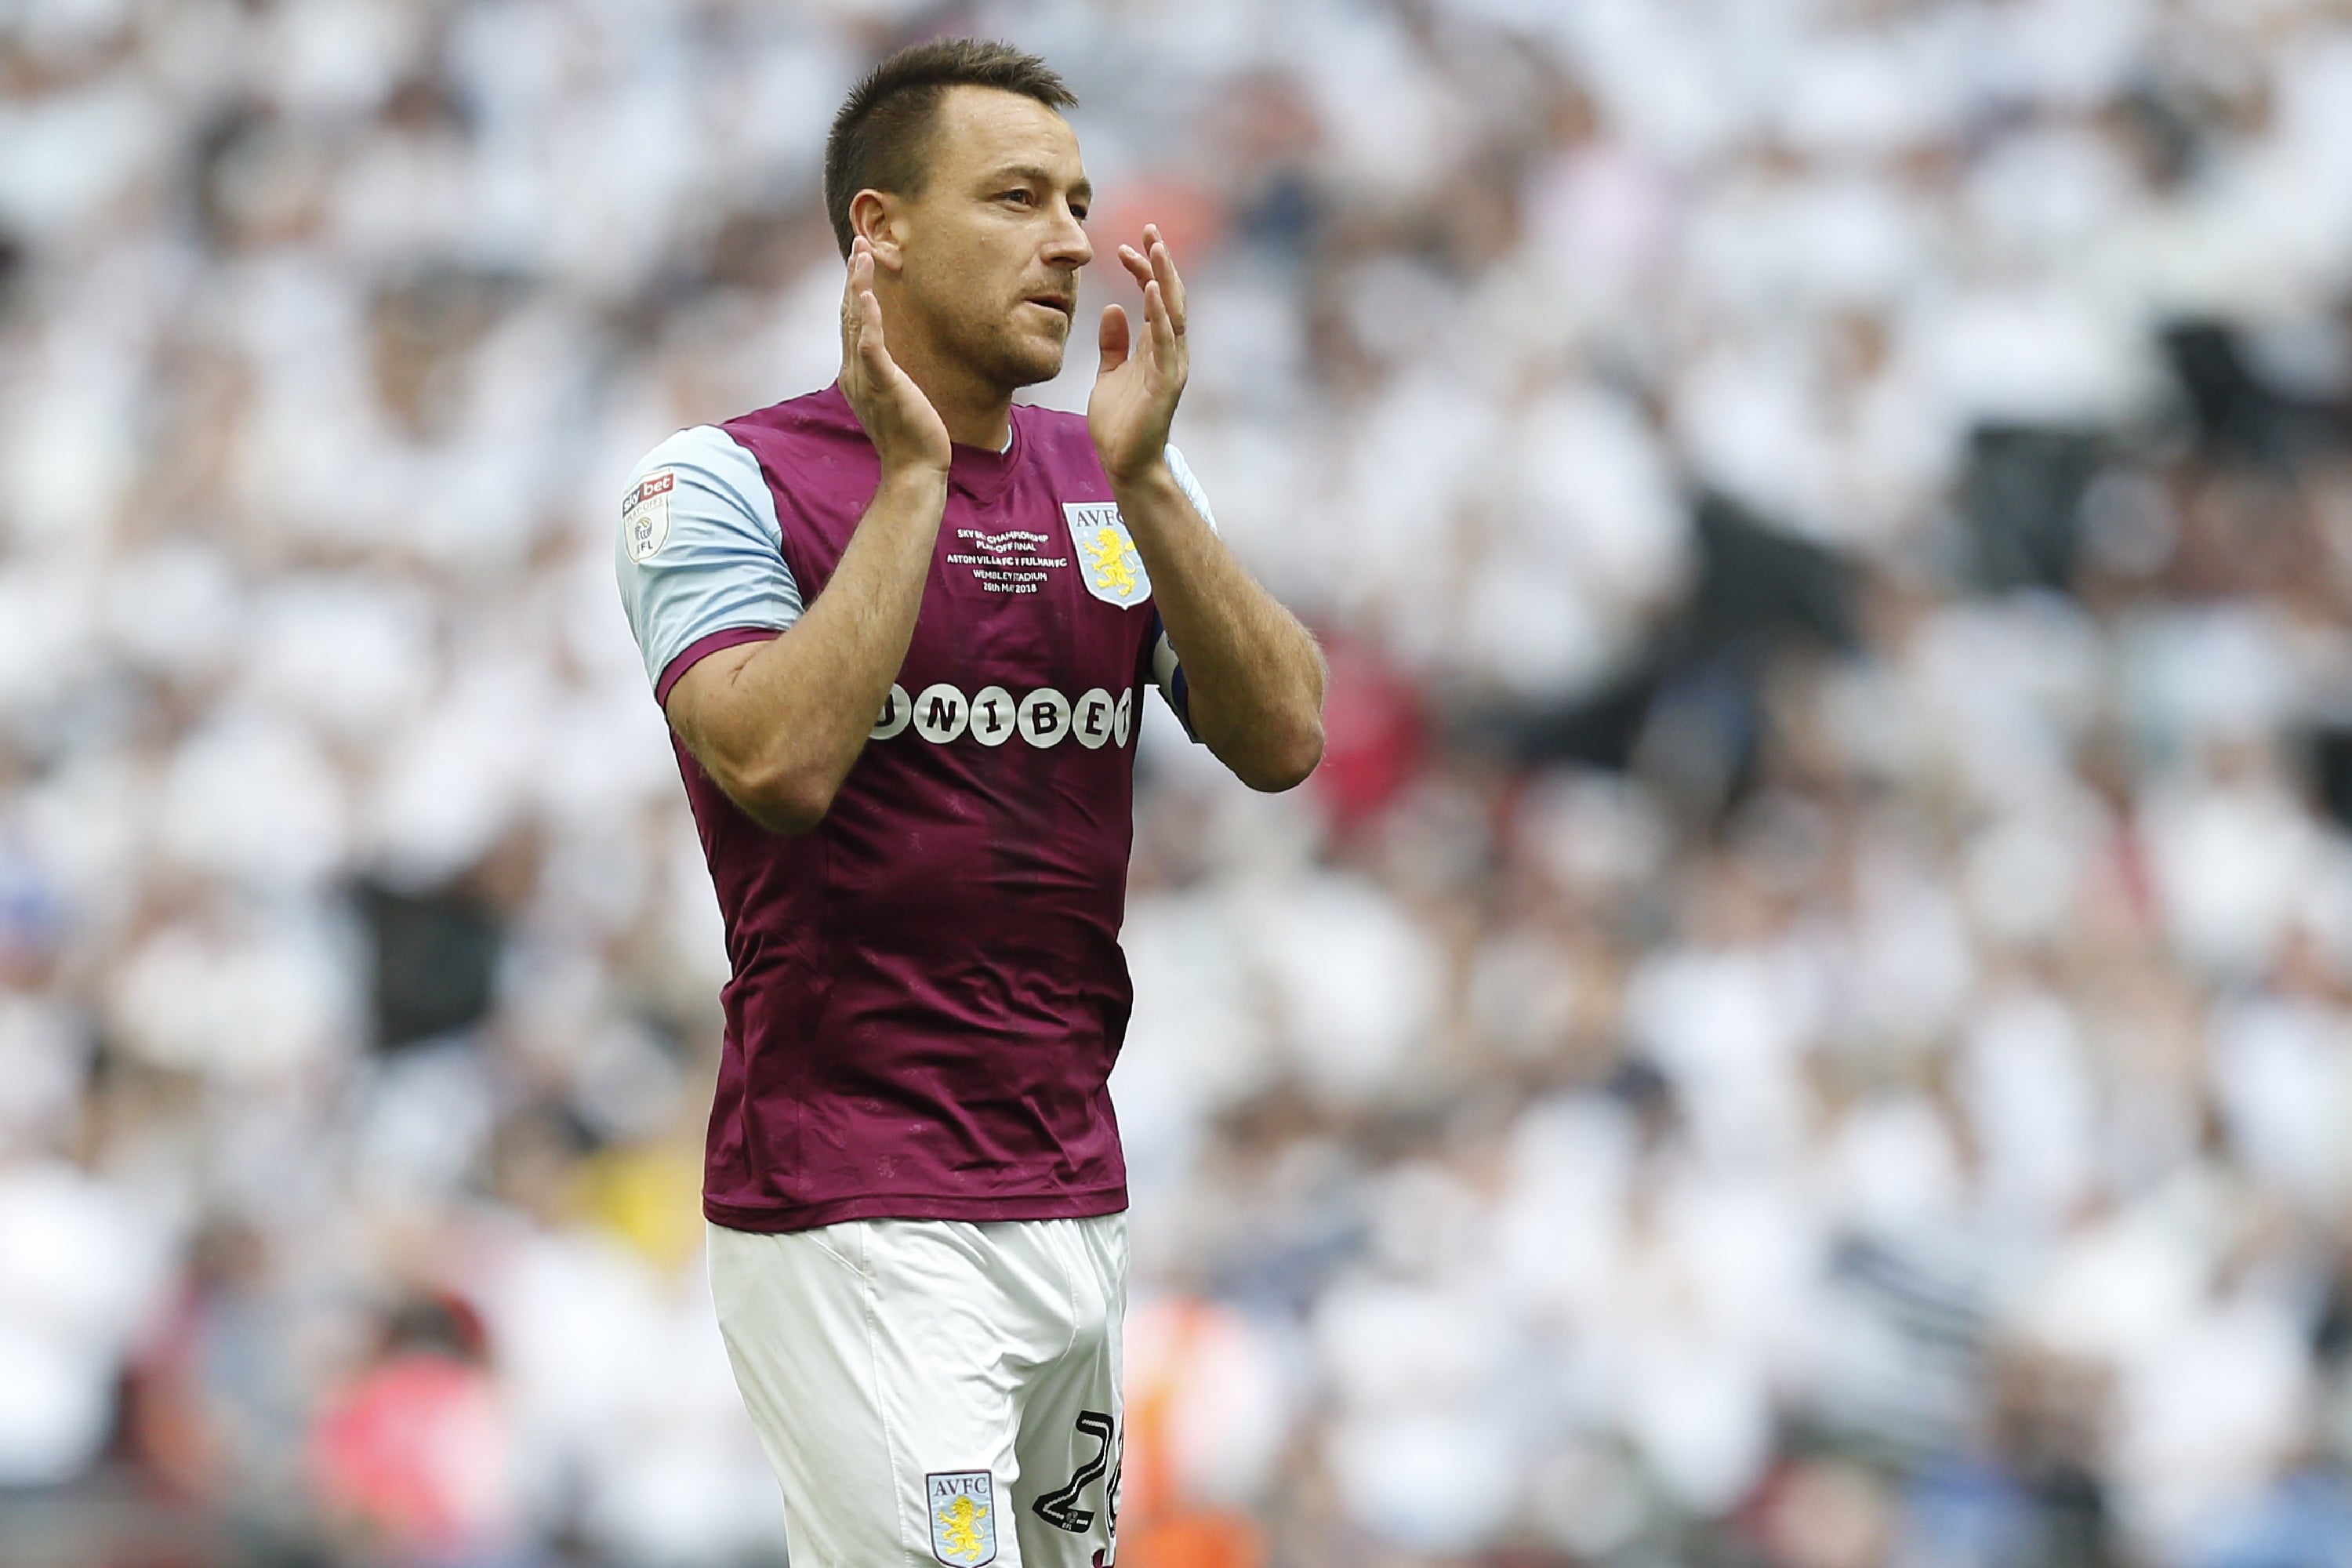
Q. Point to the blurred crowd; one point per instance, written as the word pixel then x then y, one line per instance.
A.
pixel 1806 1021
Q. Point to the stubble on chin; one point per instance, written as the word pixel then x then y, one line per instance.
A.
pixel 1020 360
pixel 995 348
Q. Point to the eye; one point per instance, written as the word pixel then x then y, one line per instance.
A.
pixel 1078 211
pixel 1024 198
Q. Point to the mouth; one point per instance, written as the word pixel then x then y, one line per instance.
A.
pixel 1062 305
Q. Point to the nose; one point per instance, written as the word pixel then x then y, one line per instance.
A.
pixel 1069 245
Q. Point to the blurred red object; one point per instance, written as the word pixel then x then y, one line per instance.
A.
pixel 413 1454
pixel 1190 219
pixel 1373 735
pixel 1160 1525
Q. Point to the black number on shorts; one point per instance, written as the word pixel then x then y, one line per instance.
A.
pixel 1060 1507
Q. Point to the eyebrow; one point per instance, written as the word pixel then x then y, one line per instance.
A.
pixel 1083 190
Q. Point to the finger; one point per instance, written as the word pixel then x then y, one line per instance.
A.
pixel 860 274
pixel 1112 339
pixel 1161 323
pixel 856 286
pixel 1163 267
pixel 872 348
pixel 1138 265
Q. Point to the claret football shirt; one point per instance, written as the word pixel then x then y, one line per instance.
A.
pixel 927 991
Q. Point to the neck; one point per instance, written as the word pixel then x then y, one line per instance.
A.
pixel 977 410
pixel 975 413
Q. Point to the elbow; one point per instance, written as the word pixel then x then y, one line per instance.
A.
pixel 1293 749
pixel 1288 763
pixel 785 801
pixel 786 818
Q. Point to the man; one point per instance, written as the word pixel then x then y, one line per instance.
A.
pixel 914 1183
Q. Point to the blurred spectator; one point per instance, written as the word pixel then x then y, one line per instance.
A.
pixel 410 1454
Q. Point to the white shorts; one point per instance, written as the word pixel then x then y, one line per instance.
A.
pixel 933 1391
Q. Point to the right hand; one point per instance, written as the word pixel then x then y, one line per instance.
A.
pixel 906 430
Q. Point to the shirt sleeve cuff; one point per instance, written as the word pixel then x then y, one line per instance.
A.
pixel 703 648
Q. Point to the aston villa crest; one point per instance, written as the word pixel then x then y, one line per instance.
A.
pixel 962 1506
pixel 1108 561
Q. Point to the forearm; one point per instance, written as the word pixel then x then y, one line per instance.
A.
pixel 789 722
pixel 1253 673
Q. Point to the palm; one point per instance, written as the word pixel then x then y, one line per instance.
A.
pixel 1134 400
pixel 1123 409
pixel 900 420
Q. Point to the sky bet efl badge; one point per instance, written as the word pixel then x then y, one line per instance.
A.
pixel 1106 556
pixel 645 514
pixel 963 1518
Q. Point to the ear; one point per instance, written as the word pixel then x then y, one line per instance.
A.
pixel 881 221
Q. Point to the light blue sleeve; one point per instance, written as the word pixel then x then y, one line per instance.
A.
pixel 1166 672
pixel 699 549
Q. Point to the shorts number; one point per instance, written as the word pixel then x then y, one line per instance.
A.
pixel 1060 1507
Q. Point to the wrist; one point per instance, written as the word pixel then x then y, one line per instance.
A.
pixel 1151 476
pixel 912 478
pixel 909 495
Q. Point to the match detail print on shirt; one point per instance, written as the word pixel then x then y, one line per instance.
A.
pixel 942 714
pixel 1010 561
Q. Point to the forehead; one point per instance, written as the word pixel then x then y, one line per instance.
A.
pixel 984 128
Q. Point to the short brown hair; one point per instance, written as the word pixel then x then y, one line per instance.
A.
pixel 879 137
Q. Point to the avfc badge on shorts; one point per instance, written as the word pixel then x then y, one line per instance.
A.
pixel 1107 561
pixel 963 1516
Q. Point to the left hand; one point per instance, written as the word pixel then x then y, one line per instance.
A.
pixel 1134 400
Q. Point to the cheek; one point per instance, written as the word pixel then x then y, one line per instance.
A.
pixel 968 278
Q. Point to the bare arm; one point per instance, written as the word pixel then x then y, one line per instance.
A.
pixel 778 724
pixel 1255 675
